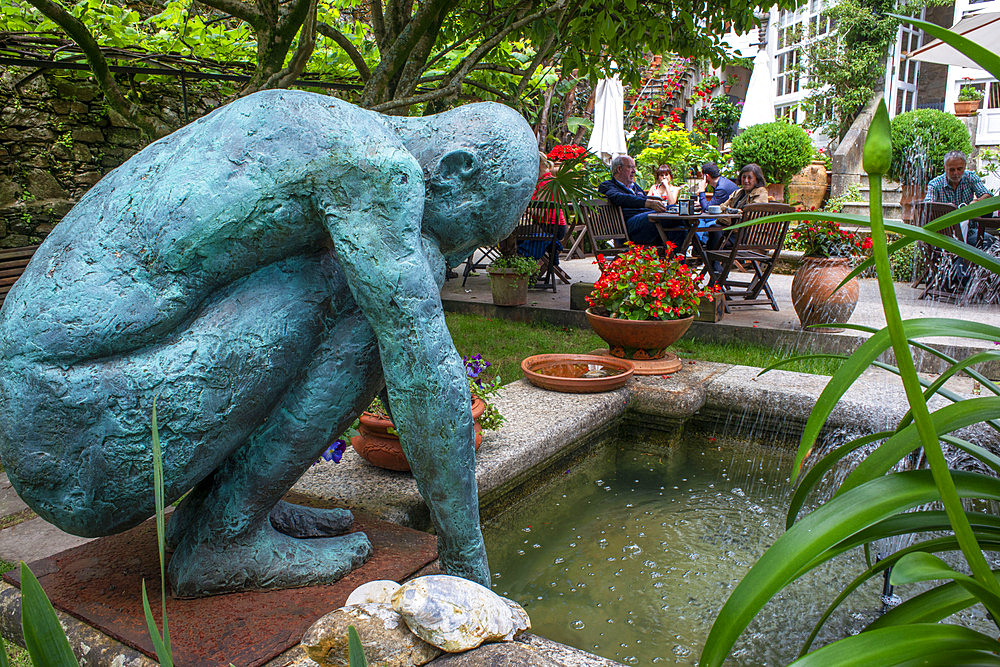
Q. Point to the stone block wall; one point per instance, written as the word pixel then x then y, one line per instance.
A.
pixel 58 137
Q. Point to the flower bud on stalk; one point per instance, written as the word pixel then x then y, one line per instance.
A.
pixel 877 155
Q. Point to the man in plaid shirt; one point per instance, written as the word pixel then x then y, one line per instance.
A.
pixel 956 185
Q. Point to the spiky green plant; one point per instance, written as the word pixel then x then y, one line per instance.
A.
pixel 874 503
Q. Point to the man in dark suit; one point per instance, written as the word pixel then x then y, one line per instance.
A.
pixel 623 192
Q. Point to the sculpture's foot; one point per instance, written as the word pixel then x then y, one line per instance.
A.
pixel 301 521
pixel 268 559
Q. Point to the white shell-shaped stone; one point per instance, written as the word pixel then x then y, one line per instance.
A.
pixel 380 590
pixel 456 614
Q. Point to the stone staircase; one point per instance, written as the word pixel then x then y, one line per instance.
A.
pixel 891 195
pixel 662 88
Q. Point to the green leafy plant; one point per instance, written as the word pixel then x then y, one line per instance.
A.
pixel 781 149
pixel 720 117
pixel 969 94
pixel 680 150
pixel 519 265
pixel 920 140
pixel 874 501
pixel 638 285
pixel 825 238
pixel 571 183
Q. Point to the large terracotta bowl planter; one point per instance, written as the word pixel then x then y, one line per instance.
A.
pixel 966 107
pixel 813 293
pixel 638 339
pixel 379 447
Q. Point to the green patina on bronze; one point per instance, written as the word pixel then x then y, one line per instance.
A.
pixel 264 272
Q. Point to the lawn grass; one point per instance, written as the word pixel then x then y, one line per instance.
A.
pixel 505 343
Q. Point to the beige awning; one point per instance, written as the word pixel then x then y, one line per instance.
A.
pixel 984 29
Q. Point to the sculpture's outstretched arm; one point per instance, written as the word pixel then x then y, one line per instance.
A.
pixel 378 244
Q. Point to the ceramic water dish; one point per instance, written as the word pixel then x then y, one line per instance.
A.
pixel 577 373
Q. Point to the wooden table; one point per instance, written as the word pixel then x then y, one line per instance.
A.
pixel 689 222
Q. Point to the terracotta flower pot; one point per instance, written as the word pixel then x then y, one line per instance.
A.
pixel 909 197
pixel 379 447
pixel 638 339
pixel 813 293
pixel 808 187
pixel 776 192
pixel 966 107
pixel 509 288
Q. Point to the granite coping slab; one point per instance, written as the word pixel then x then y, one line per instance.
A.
pixel 542 424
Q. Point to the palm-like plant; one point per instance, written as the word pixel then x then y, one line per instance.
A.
pixel 872 502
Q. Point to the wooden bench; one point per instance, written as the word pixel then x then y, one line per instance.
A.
pixel 12 264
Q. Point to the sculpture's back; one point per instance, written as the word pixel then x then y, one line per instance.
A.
pixel 200 271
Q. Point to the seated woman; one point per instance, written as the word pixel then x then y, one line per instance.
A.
pixel 544 176
pixel 664 187
pixel 753 189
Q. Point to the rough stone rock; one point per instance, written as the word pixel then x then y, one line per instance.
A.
pixel 43 185
pixel 88 135
pixel 456 614
pixel 384 636
pixel 508 654
pixel 9 191
pixel 380 590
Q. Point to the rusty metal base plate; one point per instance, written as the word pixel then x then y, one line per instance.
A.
pixel 100 583
pixel 665 365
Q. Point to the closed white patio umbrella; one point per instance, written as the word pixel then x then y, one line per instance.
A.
pixel 608 137
pixel 984 29
pixel 759 104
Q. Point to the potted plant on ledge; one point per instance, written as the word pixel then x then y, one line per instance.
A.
pixel 968 101
pixel 378 441
pixel 642 304
pixel 827 251
pixel 509 276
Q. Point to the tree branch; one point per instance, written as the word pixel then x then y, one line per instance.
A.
pixel 237 8
pixel 150 125
pixel 462 70
pixel 347 45
pixel 378 22
pixel 307 42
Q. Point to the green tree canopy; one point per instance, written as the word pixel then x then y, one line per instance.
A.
pixel 409 57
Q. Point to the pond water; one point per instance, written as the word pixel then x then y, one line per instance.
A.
pixel 631 552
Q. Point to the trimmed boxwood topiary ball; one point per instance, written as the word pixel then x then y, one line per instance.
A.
pixel 920 140
pixel 781 149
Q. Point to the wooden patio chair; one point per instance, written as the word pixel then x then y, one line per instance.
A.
pixel 536 235
pixel 479 260
pixel 938 268
pixel 576 234
pixel 604 222
pixel 13 261
pixel 756 249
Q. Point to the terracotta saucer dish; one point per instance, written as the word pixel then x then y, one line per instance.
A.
pixel 577 373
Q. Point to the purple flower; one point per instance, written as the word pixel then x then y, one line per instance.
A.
pixel 335 451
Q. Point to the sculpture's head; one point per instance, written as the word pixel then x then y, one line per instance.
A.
pixel 480 164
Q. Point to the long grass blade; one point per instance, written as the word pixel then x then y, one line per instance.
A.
pixel 355 652
pixel 166 658
pixel 818 469
pixel 930 606
pixel 855 365
pixel 935 545
pixel 162 652
pixel 945 420
pixel 820 530
pixel 895 645
pixel 44 638
pixel 920 566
